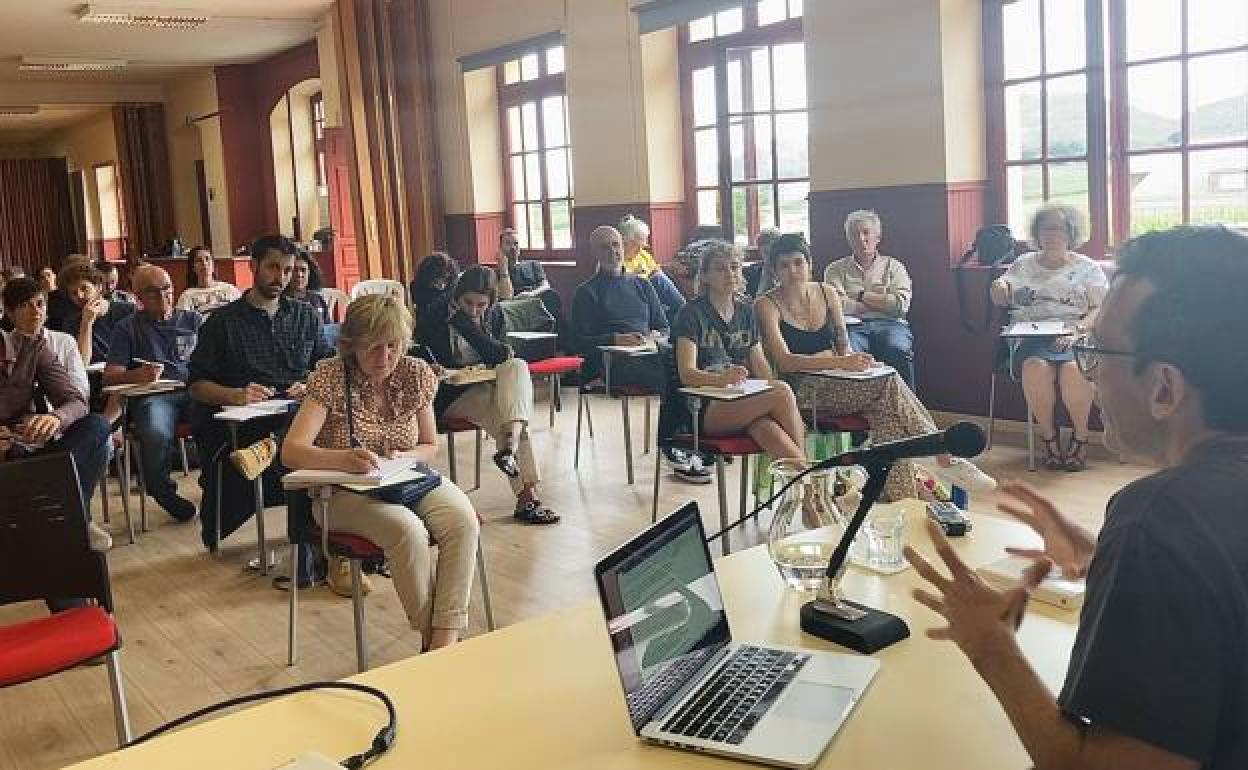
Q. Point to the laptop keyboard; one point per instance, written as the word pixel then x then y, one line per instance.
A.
pixel 646 700
pixel 729 704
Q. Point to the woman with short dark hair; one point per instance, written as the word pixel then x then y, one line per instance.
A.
pixel 503 406
pixel 305 285
pixel 203 292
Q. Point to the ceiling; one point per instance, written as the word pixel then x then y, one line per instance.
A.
pixel 21 129
pixel 239 31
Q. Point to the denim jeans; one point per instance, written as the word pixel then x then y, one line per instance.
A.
pixel 155 420
pixel 889 340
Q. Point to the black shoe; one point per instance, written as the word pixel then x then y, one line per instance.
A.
pixel 533 512
pixel 505 459
pixel 178 507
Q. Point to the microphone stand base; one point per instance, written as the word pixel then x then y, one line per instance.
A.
pixel 852 625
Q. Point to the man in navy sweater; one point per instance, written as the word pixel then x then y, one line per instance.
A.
pixel 618 308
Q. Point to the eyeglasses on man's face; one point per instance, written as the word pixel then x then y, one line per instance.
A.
pixel 1089 354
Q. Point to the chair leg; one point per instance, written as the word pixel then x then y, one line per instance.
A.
pixel 992 407
pixel 580 411
pixel 125 498
pixel 293 610
pixel 745 485
pixel 645 437
pixel 483 576
pixel 554 396
pixel 723 503
pixel 108 519
pixel 258 485
pixel 658 475
pixel 121 714
pixel 357 601
pixel 1031 443
pixel 450 456
pixel 186 463
pixel 628 438
pixel 476 483
pixel 589 419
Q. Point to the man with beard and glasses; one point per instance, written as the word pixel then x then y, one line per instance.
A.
pixel 260 346
pixel 1158 678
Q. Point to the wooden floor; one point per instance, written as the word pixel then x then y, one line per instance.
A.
pixel 199 629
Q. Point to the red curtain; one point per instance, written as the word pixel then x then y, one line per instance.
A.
pixel 146 185
pixel 36 216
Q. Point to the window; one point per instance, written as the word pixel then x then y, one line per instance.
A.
pixel 1162 140
pixel 743 82
pixel 317 103
pixel 537 152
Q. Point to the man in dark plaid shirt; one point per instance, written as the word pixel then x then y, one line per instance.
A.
pixel 261 346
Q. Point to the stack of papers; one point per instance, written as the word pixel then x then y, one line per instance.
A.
pixel 388 472
pixel 1036 329
pixel 728 392
pixel 147 388
pixel 269 408
pixel 875 372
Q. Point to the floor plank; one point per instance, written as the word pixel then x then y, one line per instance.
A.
pixel 201 628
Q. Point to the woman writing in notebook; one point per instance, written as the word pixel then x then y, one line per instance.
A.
pixel 1054 284
pixel 372 402
pixel 803 331
pixel 717 345
pixel 502 406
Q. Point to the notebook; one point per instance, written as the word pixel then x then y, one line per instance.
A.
pixel 388 472
pixel 728 392
pixel 874 373
pixel 147 388
pixel 1036 329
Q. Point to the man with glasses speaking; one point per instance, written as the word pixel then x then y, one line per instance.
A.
pixel 156 343
pixel 1158 677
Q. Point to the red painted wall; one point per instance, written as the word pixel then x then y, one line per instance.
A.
pixel 246 95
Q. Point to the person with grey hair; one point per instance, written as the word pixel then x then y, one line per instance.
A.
pixel 1054 283
pixel 875 289
pixel 638 260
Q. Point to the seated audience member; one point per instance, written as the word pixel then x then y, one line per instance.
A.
pixel 47 279
pixel 30 375
pixel 391 405
pixel 639 261
pixel 803 330
pixel 684 268
pixel 431 287
pixel 94 317
pixel 156 343
pixel 717 344
pixel 26 311
pixel 503 408
pixel 110 277
pixel 877 290
pixel 260 346
pixel 758 278
pixel 305 285
pixel 8 273
pixel 524 278
pixel 60 307
pixel 1158 678
pixel 1054 284
pixel 203 292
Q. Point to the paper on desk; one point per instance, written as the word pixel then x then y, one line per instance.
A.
pixel 469 376
pixel 728 392
pixel 875 372
pixel 1036 329
pixel 533 335
pixel 853 320
pixel 388 472
pixel 159 386
pixel 273 406
pixel 634 350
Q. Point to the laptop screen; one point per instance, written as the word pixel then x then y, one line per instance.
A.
pixel 665 615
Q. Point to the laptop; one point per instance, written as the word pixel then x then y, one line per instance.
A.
pixel 688 685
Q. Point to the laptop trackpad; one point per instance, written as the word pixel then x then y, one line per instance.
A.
pixel 815 702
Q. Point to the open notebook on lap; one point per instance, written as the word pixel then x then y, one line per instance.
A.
pixel 687 684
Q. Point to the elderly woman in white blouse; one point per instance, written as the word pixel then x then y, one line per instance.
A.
pixel 1054 283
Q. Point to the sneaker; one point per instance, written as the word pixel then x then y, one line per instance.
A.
pixel 676 458
pixel 98 538
pixel 338 577
pixel 962 473
pixel 251 461
pixel 693 472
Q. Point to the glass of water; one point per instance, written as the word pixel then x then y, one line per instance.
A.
pixel 885 532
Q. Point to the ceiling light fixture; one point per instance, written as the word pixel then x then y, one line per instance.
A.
pixel 18 109
pixel 141 16
pixel 69 64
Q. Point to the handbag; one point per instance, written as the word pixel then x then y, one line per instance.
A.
pixel 406 493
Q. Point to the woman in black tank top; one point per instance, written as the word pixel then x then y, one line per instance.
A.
pixel 803 333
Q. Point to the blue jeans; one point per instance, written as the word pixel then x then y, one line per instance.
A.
pixel 889 340
pixel 155 420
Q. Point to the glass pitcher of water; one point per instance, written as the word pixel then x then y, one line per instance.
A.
pixel 807 525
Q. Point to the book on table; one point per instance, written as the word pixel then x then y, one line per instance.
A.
pixel 388 472
pixel 728 392
pixel 873 373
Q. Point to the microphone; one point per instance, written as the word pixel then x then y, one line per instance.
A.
pixel 962 439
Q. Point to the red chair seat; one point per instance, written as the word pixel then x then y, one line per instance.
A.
pixel 353 546
pixel 849 423
pixel 455 425
pixel 736 446
pixel 556 365
pixel 182 431
pixel 62 640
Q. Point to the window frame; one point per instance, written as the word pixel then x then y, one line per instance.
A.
pixel 713 52
pixel 1108 116
pixel 517 94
